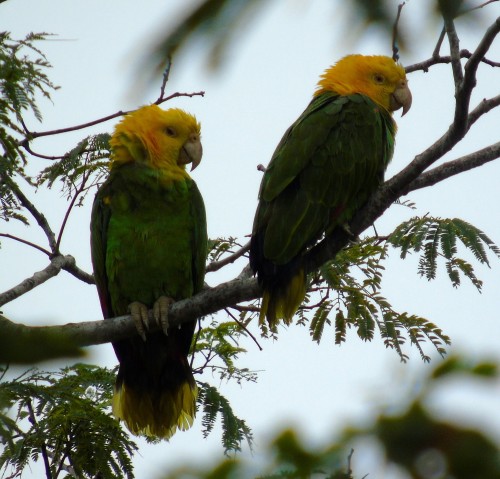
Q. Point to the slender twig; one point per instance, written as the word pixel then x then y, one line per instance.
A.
pixel 349 463
pixel 39 217
pixel 477 7
pixel 43 446
pixel 216 265
pixel 195 342
pixel 484 107
pixel 29 243
pixel 78 191
pixel 166 75
pixel 439 43
pixel 454 42
pixel 39 134
pixel 243 326
pixel 395 48
pixel 435 60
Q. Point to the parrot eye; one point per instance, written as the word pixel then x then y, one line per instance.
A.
pixel 170 131
pixel 379 78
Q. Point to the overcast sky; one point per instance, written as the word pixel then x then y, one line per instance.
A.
pixel 267 81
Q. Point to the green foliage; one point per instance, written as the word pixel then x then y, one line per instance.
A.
pixel 219 247
pixel 22 79
pixel 218 345
pixel 89 156
pixel 416 440
pixel 234 429
pixel 428 447
pixel 64 420
pixel 437 238
pixel 352 299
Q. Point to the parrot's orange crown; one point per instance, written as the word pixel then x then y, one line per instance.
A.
pixel 378 77
pixel 162 139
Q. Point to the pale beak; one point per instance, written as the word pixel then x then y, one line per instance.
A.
pixel 401 98
pixel 191 152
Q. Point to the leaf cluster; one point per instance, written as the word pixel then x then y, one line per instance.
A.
pixel 219 346
pixel 64 419
pixel 23 78
pixel 437 238
pixel 234 429
pixel 350 297
pixel 81 169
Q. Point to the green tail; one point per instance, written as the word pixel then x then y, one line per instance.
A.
pixel 282 300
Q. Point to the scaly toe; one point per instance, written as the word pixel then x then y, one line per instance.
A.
pixel 160 312
pixel 139 314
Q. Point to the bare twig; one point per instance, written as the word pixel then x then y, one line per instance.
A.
pixel 484 107
pixel 29 243
pixel 38 134
pixel 395 48
pixel 39 217
pixel 243 326
pixel 439 43
pixel 43 446
pixel 435 60
pixel 56 264
pixel 78 191
pixel 166 75
pixel 216 265
pixel 452 168
pixel 454 42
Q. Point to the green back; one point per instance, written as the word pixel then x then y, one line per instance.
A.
pixel 326 166
pixel 147 240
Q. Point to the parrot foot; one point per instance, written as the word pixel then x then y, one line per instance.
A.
pixel 160 312
pixel 139 314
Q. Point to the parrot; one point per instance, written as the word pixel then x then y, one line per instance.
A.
pixel 148 249
pixel 326 166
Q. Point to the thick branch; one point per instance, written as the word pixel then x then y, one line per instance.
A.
pixel 207 302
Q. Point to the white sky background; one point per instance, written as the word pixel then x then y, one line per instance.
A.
pixel 266 83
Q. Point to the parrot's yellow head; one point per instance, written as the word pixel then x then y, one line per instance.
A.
pixel 378 77
pixel 162 139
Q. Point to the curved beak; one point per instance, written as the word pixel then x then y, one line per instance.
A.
pixel 401 98
pixel 191 152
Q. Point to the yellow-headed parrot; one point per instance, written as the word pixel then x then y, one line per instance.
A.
pixel 325 168
pixel 149 246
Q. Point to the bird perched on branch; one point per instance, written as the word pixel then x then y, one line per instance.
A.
pixel 325 168
pixel 149 246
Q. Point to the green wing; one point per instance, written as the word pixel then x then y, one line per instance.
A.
pixel 326 166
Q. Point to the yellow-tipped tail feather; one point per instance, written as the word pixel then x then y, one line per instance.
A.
pixel 283 302
pixel 156 415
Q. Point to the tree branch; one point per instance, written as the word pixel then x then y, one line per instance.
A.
pixel 452 168
pixel 39 217
pixel 204 303
pixel 56 264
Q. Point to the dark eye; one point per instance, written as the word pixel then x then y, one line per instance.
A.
pixel 379 78
pixel 170 131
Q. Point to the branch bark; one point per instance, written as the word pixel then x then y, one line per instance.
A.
pixel 207 302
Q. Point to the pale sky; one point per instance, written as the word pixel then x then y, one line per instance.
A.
pixel 265 84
